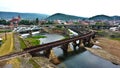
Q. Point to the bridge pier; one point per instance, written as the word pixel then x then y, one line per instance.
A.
pixel 92 41
pixel 74 45
pixel 84 42
pixel 88 42
pixel 53 58
pixel 81 45
pixel 47 53
pixel 65 49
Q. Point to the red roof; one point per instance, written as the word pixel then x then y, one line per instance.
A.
pixel 16 19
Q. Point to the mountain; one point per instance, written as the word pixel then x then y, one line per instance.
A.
pixel 116 17
pixel 60 16
pixel 104 17
pixel 29 16
pixel 101 17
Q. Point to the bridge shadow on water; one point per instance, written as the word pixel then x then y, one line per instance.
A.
pixel 70 54
pixel 61 58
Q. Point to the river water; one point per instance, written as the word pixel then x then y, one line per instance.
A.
pixel 80 60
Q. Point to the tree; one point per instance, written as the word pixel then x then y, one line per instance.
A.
pixel 36 21
pixel 4 22
pixel 24 22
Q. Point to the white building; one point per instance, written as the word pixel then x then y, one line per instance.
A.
pixel 114 28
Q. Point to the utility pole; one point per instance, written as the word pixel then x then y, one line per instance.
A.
pixel 5 35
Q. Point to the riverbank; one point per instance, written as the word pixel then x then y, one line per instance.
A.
pixel 34 61
pixel 110 50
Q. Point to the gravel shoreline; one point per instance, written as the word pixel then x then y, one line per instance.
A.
pixel 104 54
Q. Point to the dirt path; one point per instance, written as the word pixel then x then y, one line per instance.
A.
pixel 16 43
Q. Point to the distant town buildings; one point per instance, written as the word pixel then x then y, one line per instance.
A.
pixel 14 21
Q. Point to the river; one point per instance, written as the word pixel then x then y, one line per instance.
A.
pixel 80 60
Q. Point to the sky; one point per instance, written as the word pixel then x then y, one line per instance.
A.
pixel 84 8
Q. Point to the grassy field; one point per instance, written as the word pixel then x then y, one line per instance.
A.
pixel 7 47
pixel 22 44
pixel 37 37
pixel 3 31
pixel 34 40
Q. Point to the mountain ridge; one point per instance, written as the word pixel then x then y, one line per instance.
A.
pixel 56 16
pixel 61 16
pixel 29 16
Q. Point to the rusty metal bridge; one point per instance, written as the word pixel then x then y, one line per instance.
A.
pixel 84 38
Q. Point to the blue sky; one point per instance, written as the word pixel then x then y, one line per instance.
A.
pixel 85 8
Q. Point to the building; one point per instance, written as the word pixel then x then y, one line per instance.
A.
pixel 14 21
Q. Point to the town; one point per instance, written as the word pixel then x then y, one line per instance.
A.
pixel 59 34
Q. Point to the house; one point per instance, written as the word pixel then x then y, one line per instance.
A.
pixel 114 28
pixel 14 22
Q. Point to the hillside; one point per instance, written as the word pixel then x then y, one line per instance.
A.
pixel 104 17
pixel 60 16
pixel 116 17
pixel 101 17
pixel 57 16
pixel 29 16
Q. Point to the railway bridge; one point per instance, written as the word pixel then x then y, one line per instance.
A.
pixel 84 40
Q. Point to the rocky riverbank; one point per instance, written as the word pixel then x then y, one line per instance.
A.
pixel 104 54
pixel 110 50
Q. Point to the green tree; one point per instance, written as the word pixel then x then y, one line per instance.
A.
pixel 24 22
pixel 4 22
pixel 36 21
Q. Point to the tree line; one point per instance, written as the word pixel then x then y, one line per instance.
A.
pixel 22 22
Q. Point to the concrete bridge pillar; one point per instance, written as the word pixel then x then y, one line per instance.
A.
pixel 92 41
pixel 81 43
pixel 53 58
pixel 74 45
pixel 65 49
pixel 84 42
pixel 88 41
pixel 47 53
pixel 69 48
